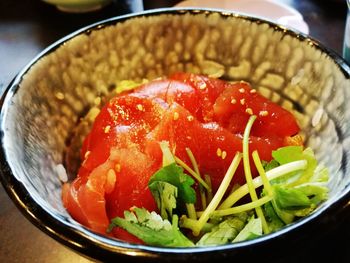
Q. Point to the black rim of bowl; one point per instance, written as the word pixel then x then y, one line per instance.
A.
pixel 94 245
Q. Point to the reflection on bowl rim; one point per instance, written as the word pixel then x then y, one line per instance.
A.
pixel 98 245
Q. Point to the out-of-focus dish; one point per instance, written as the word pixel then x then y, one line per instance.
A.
pixel 272 10
pixel 52 93
pixel 78 6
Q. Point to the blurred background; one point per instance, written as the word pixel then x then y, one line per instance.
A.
pixel 29 26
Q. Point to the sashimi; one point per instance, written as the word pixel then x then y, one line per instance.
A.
pixel 213 146
pixel 123 122
pixel 239 101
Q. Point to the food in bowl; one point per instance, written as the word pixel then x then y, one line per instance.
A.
pixel 180 153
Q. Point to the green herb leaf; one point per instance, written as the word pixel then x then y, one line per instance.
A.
pixel 225 232
pixel 296 194
pixel 151 228
pixel 274 221
pixel 294 153
pixel 290 198
pixel 316 192
pixel 270 165
pixel 165 195
pixel 174 175
pixel 297 201
pixel 252 229
pixel 288 154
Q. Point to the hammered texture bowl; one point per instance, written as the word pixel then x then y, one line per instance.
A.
pixel 45 101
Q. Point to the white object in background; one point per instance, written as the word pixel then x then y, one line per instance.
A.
pixel 267 9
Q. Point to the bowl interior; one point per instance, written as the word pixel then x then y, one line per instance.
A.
pixel 48 97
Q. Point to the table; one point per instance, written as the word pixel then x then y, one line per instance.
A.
pixel 28 26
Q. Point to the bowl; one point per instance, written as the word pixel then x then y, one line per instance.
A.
pixel 78 6
pixel 45 100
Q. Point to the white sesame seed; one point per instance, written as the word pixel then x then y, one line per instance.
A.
pixel 241 90
pixel 233 101
pixel 263 113
pixel 202 86
pixel 86 155
pixel 252 91
pixel 218 152
pixel 62 174
pixel 223 155
pixel 242 101
pixel 107 128
pixel 117 167
pixel 176 116
pixel 111 178
pixel 190 118
pixel 140 107
pixel 249 111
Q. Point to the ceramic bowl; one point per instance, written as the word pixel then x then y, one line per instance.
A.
pixel 78 6
pixel 46 99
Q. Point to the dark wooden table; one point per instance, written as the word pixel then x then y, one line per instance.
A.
pixel 28 26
